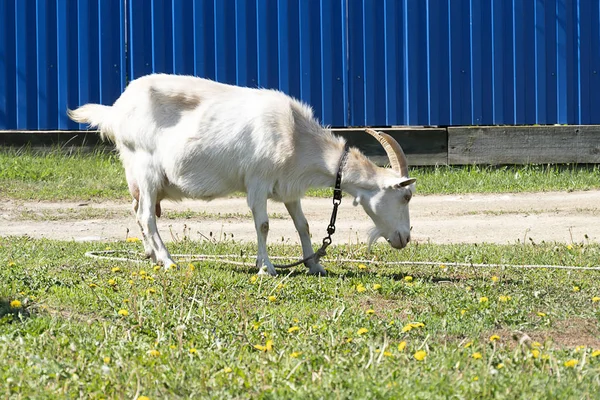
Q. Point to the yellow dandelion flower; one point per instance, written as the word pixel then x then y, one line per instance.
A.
pixel 569 247
pixel 401 346
pixel 15 304
pixel 296 320
pixel 493 338
pixel 370 311
pixel 500 366
pixel 362 331
pixel 191 267
pixel 172 347
pixel 272 298
pixel 495 279
pixel 535 353
pixel 123 313
pixel 541 314
pixel 477 355
pixel 154 353
pixel 387 354
pixel 443 266
pixel 407 328
pixel 144 273
pixel 536 345
pixel 295 354
pixel 108 248
pixel 143 398
pixel 475 378
pixel 269 345
pixel 112 282
pixel 227 370
pixel 463 311
pixel 420 355
pixel 116 269
pixel 125 301
pixel 595 299
pixel 571 363
pixel 172 266
pixel 156 268
pixel 376 286
pixel 132 240
pixel 92 285
pixel 193 350
pixel 467 345
pixel 151 291
pixel 106 360
pixel 293 329
pixel 362 266
pixel 253 278
pixel 12 264
pixel 576 288
pixel 408 278
pixel 130 282
pixel 349 340
pixel 596 353
pixel 504 299
pixel 418 325
pixel 579 348
pixel 483 299
pixel 360 288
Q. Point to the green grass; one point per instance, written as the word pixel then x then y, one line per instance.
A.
pixel 67 338
pixel 98 175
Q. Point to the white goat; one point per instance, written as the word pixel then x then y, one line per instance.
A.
pixel 187 137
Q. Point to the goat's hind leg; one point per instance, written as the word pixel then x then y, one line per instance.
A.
pixel 135 193
pixel 146 218
pixel 295 210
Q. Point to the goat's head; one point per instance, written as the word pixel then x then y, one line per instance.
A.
pixel 388 204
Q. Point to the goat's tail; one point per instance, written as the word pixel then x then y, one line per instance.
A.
pixel 96 116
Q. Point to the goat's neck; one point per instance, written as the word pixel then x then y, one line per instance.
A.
pixel 359 174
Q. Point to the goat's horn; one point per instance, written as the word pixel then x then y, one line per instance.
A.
pixel 394 151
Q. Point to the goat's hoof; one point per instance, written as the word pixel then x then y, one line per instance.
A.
pixel 317 270
pixel 265 270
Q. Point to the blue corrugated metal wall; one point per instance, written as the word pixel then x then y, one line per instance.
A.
pixel 58 53
pixel 357 62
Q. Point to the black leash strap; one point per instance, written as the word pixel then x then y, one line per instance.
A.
pixel 337 200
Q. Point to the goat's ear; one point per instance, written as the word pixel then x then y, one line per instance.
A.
pixel 406 181
pixel 402 182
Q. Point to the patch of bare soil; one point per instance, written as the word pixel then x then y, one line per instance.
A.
pixel 504 218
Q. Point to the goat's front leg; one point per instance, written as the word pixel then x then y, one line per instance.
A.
pixel 258 204
pixel 295 210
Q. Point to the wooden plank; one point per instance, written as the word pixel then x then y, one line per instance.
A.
pixel 39 140
pixel 422 146
pixel 524 145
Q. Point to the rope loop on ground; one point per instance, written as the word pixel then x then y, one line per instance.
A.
pixel 230 259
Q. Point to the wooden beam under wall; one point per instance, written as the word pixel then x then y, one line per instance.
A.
pixel 498 145
pixel 422 146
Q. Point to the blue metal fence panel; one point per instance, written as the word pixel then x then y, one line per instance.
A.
pixel 296 46
pixel 356 62
pixel 56 54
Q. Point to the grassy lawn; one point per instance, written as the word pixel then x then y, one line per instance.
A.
pixel 72 326
pixel 104 329
pixel 98 175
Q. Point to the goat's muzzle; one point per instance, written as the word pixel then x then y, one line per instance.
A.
pixel 398 240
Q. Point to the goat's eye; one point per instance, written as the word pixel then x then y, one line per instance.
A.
pixel 407 197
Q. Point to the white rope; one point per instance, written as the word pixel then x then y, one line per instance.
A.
pixel 227 259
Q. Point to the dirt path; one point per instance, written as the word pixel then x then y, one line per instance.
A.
pixel 504 218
